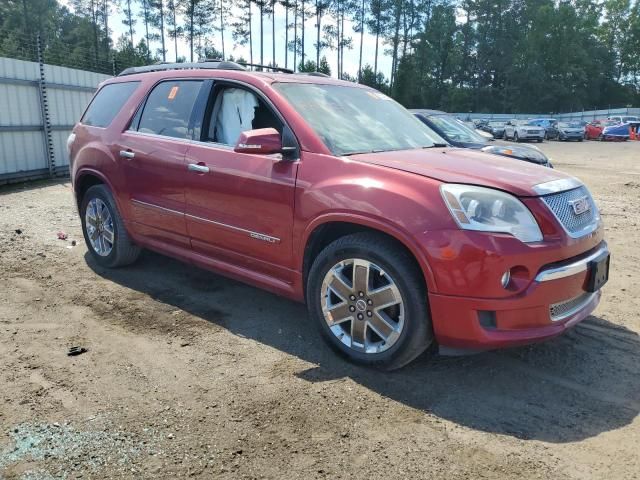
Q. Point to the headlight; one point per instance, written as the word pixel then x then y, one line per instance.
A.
pixel 488 210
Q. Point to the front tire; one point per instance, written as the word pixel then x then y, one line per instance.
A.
pixel 367 297
pixel 104 233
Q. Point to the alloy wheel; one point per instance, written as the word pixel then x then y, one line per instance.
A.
pixel 99 225
pixel 362 306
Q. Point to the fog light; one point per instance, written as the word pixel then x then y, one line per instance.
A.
pixel 506 278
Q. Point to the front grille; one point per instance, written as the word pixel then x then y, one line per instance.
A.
pixel 576 224
pixel 533 131
pixel 560 311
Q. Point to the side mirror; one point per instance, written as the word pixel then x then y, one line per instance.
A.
pixel 261 141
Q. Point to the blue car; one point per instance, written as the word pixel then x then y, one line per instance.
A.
pixel 616 132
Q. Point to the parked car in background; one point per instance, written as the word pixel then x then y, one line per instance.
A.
pixel 458 134
pixel 628 119
pixel 528 153
pixel 333 194
pixel 570 131
pixel 606 130
pixel 452 130
pixel 550 126
pixel 522 130
pixel 496 128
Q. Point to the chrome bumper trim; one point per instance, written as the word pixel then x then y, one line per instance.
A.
pixel 571 268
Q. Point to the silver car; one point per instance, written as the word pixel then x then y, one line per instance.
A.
pixel 521 130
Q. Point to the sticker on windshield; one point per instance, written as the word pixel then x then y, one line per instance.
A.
pixel 173 92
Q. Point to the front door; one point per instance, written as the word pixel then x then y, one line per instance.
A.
pixel 152 153
pixel 239 207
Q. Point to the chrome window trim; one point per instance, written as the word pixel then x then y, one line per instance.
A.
pixel 155 135
pixel 256 235
pixel 557 186
pixel 572 268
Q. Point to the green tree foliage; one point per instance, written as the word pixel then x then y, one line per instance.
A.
pixel 458 55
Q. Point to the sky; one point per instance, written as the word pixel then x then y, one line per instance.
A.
pixel 350 61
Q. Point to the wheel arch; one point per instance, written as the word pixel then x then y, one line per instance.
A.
pixel 329 228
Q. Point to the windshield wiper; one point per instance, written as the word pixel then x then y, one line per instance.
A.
pixel 362 152
pixel 437 145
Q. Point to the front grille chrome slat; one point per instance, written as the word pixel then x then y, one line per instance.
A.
pixel 576 225
pixel 560 311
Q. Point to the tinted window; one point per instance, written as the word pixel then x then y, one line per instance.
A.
pixel 107 103
pixel 168 108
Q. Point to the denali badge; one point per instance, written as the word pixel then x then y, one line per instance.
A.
pixel 580 205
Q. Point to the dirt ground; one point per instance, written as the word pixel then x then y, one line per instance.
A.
pixel 190 374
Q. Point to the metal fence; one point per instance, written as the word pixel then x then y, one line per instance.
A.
pixel 39 105
pixel 573 116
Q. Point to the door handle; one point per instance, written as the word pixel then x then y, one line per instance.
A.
pixel 194 167
pixel 127 154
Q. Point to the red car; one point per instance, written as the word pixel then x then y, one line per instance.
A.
pixel 606 130
pixel 331 193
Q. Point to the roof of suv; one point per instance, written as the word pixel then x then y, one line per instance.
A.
pixel 238 72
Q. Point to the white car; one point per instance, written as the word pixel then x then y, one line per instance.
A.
pixel 521 130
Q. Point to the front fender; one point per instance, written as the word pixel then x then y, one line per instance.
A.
pixel 404 205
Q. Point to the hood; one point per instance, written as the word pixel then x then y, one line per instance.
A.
pixel 572 130
pixel 453 165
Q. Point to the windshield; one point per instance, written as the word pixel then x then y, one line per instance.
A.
pixel 569 125
pixel 532 123
pixel 353 120
pixel 497 124
pixel 629 119
pixel 455 130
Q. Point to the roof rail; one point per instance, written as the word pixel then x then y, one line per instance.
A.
pixel 158 67
pixel 314 74
pixel 266 67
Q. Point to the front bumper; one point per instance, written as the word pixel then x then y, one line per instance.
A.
pixel 571 136
pixel 531 136
pixel 553 302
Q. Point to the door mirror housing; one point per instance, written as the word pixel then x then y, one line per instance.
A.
pixel 261 141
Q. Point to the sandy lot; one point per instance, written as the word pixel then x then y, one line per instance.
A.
pixel 191 374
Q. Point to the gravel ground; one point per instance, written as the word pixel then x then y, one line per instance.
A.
pixel 191 374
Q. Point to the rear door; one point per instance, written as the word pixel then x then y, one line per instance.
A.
pixel 152 154
pixel 239 207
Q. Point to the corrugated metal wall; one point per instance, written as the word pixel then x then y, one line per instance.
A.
pixel 23 143
pixel 585 115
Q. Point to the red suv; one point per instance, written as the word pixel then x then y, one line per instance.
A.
pixel 332 193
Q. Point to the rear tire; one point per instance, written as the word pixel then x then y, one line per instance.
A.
pixel 114 248
pixel 516 138
pixel 346 308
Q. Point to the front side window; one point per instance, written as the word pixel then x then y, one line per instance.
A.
pixel 352 120
pixel 168 108
pixel 236 110
pixel 107 103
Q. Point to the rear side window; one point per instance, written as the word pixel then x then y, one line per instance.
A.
pixel 168 108
pixel 107 103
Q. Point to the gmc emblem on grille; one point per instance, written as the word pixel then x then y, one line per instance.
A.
pixel 580 205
